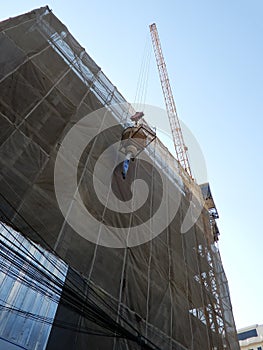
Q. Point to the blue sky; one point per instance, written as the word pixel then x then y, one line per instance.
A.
pixel 214 54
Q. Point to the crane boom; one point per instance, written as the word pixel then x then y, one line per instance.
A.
pixel 179 145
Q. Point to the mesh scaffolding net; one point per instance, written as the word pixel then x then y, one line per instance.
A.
pixel 170 292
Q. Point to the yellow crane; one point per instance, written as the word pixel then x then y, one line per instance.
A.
pixel 179 145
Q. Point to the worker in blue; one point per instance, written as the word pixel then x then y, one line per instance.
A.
pixel 125 167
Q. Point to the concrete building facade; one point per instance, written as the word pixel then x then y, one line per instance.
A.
pixel 251 338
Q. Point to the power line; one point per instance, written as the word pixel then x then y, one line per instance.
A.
pixel 72 296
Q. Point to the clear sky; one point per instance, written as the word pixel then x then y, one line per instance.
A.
pixel 214 55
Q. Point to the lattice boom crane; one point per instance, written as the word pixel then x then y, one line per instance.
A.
pixel 179 145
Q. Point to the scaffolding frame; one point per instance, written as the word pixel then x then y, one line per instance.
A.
pixel 201 294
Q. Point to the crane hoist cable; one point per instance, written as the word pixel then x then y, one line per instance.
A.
pixel 142 84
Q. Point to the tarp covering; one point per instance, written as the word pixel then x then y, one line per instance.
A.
pixel 171 288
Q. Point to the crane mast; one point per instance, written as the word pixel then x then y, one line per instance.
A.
pixel 179 145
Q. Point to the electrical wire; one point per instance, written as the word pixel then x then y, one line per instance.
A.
pixel 72 296
pixel 74 302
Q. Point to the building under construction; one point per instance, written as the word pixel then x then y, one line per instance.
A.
pixel 69 279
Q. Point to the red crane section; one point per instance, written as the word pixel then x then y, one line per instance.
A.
pixel 179 145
